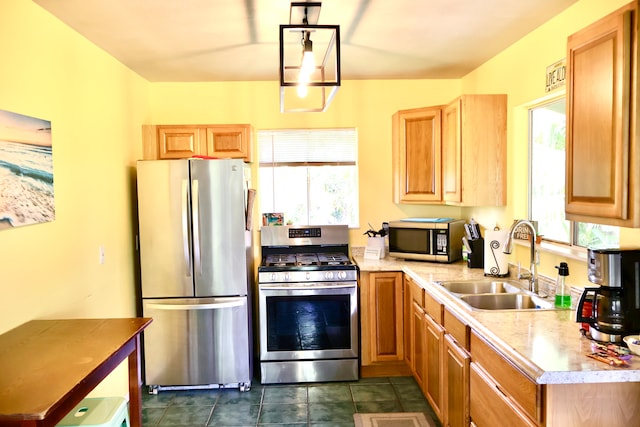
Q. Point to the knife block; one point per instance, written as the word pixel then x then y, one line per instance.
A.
pixel 475 259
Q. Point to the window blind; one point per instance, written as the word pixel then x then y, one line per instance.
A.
pixel 307 146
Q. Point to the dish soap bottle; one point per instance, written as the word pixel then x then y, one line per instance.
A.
pixel 563 295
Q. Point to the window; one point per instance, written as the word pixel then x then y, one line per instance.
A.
pixel 547 126
pixel 309 175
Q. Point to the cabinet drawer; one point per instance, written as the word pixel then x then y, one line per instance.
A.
pixel 456 328
pixel 489 406
pixel 526 393
pixel 433 308
pixel 417 292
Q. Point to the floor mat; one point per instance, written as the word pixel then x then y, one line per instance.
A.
pixel 397 419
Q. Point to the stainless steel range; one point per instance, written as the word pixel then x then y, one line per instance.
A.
pixel 308 305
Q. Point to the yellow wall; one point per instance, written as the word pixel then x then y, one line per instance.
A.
pixel 96 107
pixel 365 105
pixel 520 71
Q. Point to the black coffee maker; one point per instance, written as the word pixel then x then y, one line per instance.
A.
pixel 615 305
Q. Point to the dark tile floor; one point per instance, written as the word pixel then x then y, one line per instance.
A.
pixel 313 404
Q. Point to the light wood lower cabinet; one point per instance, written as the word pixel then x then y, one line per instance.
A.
pixel 382 324
pixel 456 384
pixel 615 405
pixel 433 384
pixel 414 329
pixel 455 405
pixel 418 345
pixel 491 407
pixel 467 381
pixel 498 391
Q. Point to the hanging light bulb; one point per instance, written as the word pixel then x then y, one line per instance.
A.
pixel 308 65
pixel 302 90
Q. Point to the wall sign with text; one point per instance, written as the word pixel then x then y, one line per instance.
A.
pixel 556 75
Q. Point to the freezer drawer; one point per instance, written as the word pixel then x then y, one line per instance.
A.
pixel 197 341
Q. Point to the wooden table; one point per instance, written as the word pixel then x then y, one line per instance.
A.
pixel 48 366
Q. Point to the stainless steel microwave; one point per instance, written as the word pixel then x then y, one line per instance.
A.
pixel 426 239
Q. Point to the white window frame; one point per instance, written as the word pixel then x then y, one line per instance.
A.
pixel 572 245
pixel 309 148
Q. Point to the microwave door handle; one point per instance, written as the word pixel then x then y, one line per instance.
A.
pixel 195 201
pixel 432 242
pixel 185 226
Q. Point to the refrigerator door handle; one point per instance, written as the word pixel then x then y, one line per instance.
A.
pixel 223 303
pixel 185 226
pixel 195 200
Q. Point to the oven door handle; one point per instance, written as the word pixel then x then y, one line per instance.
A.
pixel 306 288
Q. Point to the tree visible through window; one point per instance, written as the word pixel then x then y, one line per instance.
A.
pixel 547 126
pixel 309 175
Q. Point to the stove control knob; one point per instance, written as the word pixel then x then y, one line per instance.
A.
pixel 274 277
pixel 342 275
pixel 307 275
pixel 328 275
pixel 287 277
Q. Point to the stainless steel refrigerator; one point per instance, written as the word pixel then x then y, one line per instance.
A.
pixel 195 258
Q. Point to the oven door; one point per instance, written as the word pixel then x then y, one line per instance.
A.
pixel 308 321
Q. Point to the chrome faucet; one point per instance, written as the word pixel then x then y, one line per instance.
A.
pixel 532 276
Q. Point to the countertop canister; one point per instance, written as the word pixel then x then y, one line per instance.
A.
pixel 495 260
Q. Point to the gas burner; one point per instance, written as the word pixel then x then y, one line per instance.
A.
pixel 333 259
pixel 280 260
pixel 306 259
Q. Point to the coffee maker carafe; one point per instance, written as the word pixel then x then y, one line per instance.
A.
pixel 615 303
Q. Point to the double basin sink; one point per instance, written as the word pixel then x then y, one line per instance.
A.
pixel 495 295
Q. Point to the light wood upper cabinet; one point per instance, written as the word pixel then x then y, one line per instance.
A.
pixel 416 152
pixel 454 154
pixel 184 141
pixel 602 166
pixel 232 142
pixel 474 151
pixel 178 142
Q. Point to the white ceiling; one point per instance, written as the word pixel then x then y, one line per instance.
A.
pixel 227 40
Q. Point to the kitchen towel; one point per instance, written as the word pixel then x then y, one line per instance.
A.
pixel 495 260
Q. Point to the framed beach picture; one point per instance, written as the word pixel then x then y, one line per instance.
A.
pixel 26 171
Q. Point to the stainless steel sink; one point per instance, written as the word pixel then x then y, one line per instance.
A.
pixel 481 287
pixel 519 301
pixel 486 294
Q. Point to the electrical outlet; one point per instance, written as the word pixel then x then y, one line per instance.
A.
pixel 101 254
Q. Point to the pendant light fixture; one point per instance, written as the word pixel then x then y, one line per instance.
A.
pixel 309 69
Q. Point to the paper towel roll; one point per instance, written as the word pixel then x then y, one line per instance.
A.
pixel 495 260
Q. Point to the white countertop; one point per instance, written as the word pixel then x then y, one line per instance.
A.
pixel 546 345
